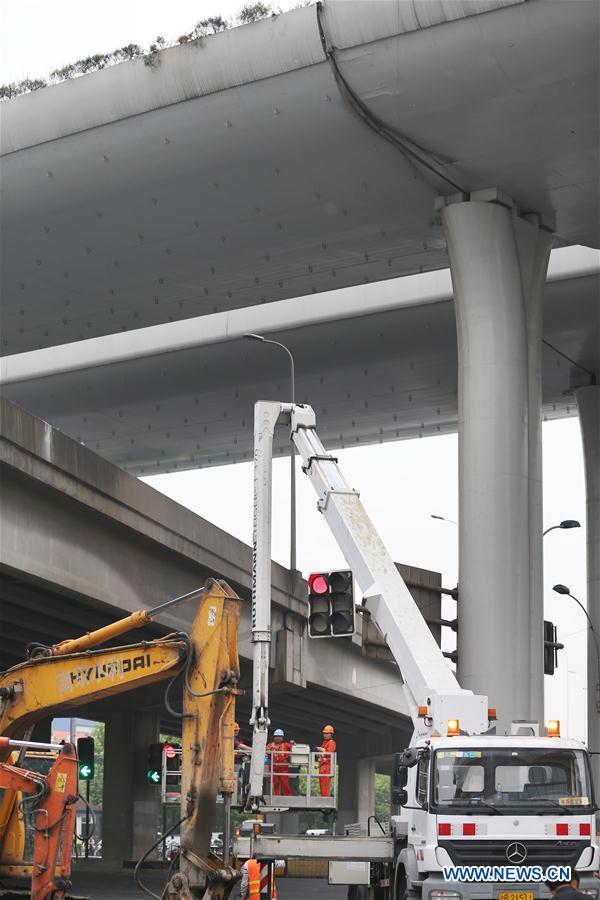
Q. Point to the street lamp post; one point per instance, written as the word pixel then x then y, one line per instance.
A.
pixel 264 340
pixel 564 590
pixel 566 523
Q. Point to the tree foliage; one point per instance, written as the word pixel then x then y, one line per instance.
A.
pixel 97 783
pixel 252 12
pixel 382 796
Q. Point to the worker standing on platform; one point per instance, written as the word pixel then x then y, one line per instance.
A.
pixel 279 751
pixel 326 750
pixel 239 746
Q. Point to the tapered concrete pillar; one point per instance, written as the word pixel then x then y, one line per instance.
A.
pixel 365 783
pixel 498 263
pixel 131 805
pixel 356 791
pixel 146 797
pixel 117 802
pixel 588 403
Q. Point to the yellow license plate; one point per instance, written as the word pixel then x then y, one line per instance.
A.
pixel 515 895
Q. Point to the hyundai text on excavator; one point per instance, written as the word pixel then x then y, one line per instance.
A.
pixel 62 677
pixel 467 795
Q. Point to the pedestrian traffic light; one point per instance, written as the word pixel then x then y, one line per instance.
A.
pixel 551 648
pixel 85 755
pixel 154 770
pixel 331 604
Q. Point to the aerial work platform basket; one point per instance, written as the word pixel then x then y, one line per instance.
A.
pixel 302 779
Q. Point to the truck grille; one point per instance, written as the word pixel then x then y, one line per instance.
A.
pixel 493 853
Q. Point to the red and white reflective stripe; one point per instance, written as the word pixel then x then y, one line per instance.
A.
pixel 563 829
pixel 466 829
pixel 264 878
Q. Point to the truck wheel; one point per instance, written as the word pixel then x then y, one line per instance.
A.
pixel 358 892
pixel 399 883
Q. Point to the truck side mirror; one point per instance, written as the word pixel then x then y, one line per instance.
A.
pixel 399 797
pixel 409 757
pixel 400 776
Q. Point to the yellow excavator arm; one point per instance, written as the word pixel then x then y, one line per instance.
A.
pixel 42 687
pixel 60 678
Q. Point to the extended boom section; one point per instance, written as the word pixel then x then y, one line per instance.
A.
pixel 430 683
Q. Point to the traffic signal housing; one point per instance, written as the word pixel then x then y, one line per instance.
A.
pixel 154 770
pixel 551 648
pixel 85 755
pixel 331 611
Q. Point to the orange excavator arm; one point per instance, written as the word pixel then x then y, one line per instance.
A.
pixel 53 813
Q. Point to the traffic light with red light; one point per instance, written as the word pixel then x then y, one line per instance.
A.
pixel 331 610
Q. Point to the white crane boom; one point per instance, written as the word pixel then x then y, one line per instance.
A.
pixel 429 681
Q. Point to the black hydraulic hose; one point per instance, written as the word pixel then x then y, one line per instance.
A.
pixel 85 840
pixel 186 681
pixel 143 858
pixel 383 831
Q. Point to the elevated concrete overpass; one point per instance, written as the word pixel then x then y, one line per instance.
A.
pixel 378 362
pixel 83 543
pixel 289 157
pixel 334 146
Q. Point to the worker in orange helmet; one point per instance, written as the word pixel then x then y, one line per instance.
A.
pixel 326 760
pixel 280 760
pixel 239 746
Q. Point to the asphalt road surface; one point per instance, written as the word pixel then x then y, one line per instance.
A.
pixel 103 886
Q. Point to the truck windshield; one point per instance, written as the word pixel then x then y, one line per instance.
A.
pixel 506 778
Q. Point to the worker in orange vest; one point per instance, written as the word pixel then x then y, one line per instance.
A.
pixel 280 760
pixel 250 886
pixel 327 748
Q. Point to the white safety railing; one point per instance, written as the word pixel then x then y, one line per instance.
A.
pixel 300 779
pixel 170 784
pixel 292 779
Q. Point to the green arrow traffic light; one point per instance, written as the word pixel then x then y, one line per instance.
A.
pixel 153 776
pixel 85 754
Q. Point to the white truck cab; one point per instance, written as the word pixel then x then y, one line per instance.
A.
pixel 494 801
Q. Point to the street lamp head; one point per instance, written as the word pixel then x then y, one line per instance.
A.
pixel 254 337
pixel 561 589
pixel 433 516
pixel 570 523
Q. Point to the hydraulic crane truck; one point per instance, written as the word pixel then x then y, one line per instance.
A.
pixel 57 679
pixel 467 795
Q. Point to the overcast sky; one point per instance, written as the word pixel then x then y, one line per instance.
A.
pixel 401 484
pixel 37 36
